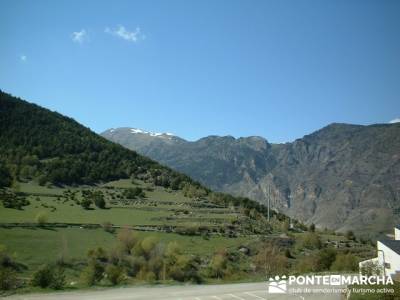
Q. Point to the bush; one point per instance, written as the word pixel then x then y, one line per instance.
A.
pixel 8 279
pixel 309 241
pixel 86 202
pixel 12 200
pixel 49 276
pixel 217 266
pixel 58 280
pixel 132 193
pixel 372 268
pixel 325 258
pixel 100 203
pixel 185 268
pixel 350 235
pixel 151 277
pixel 108 227
pixel 41 218
pixel 128 239
pixel 345 262
pixel 148 244
pixel 114 274
pixel 306 264
pixel 270 261
pixel 92 274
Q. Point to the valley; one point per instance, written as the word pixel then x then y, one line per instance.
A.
pixel 79 211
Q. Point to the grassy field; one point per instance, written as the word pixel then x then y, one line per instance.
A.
pixel 158 207
pixel 200 227
pixel 28 245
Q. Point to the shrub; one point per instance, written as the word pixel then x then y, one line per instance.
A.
pixel 92 274
pixel 98 254
pixel 58 280
pixel 8 279
pixel 217 266
pixel 128 239
pixel 148 244
pixel 350 235
pixel 100 202
pixel 270 260
pixel 325 258
pixel 108 227
pixel 185 268
pixel 49 276
pixel 132 193
pixel 41 218
pixel 12 200
pixel 345 262
pixel 306 264
pixel 371 268
pixel 310 241
pixel 86 202
pixel 150 277
pixel 114 274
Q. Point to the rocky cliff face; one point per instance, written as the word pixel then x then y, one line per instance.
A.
pixel 341 177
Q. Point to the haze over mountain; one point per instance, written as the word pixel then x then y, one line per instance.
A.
pixel 342 176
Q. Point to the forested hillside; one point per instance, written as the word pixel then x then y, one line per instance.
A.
pixel 38 143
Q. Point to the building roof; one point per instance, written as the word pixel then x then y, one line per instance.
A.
pixel 392 244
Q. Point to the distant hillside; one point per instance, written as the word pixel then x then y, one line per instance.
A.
pixel 38 143
pixel 342 176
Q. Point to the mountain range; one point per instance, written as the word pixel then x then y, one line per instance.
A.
pixel 340 177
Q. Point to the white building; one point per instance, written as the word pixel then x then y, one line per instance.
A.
pixel 388 252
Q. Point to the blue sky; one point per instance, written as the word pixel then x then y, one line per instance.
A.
pixel 279 69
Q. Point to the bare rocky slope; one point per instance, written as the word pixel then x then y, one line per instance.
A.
pixel 341 177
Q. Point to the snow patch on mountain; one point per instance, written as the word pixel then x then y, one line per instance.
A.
pixel 140 131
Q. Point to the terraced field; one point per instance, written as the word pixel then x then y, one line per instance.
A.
pixel 70 230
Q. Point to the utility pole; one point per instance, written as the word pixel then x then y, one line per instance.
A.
pixel 269 201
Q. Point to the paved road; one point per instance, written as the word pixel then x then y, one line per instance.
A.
pixel 241 291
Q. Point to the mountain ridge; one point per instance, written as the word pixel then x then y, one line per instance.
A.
pixel 326 177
